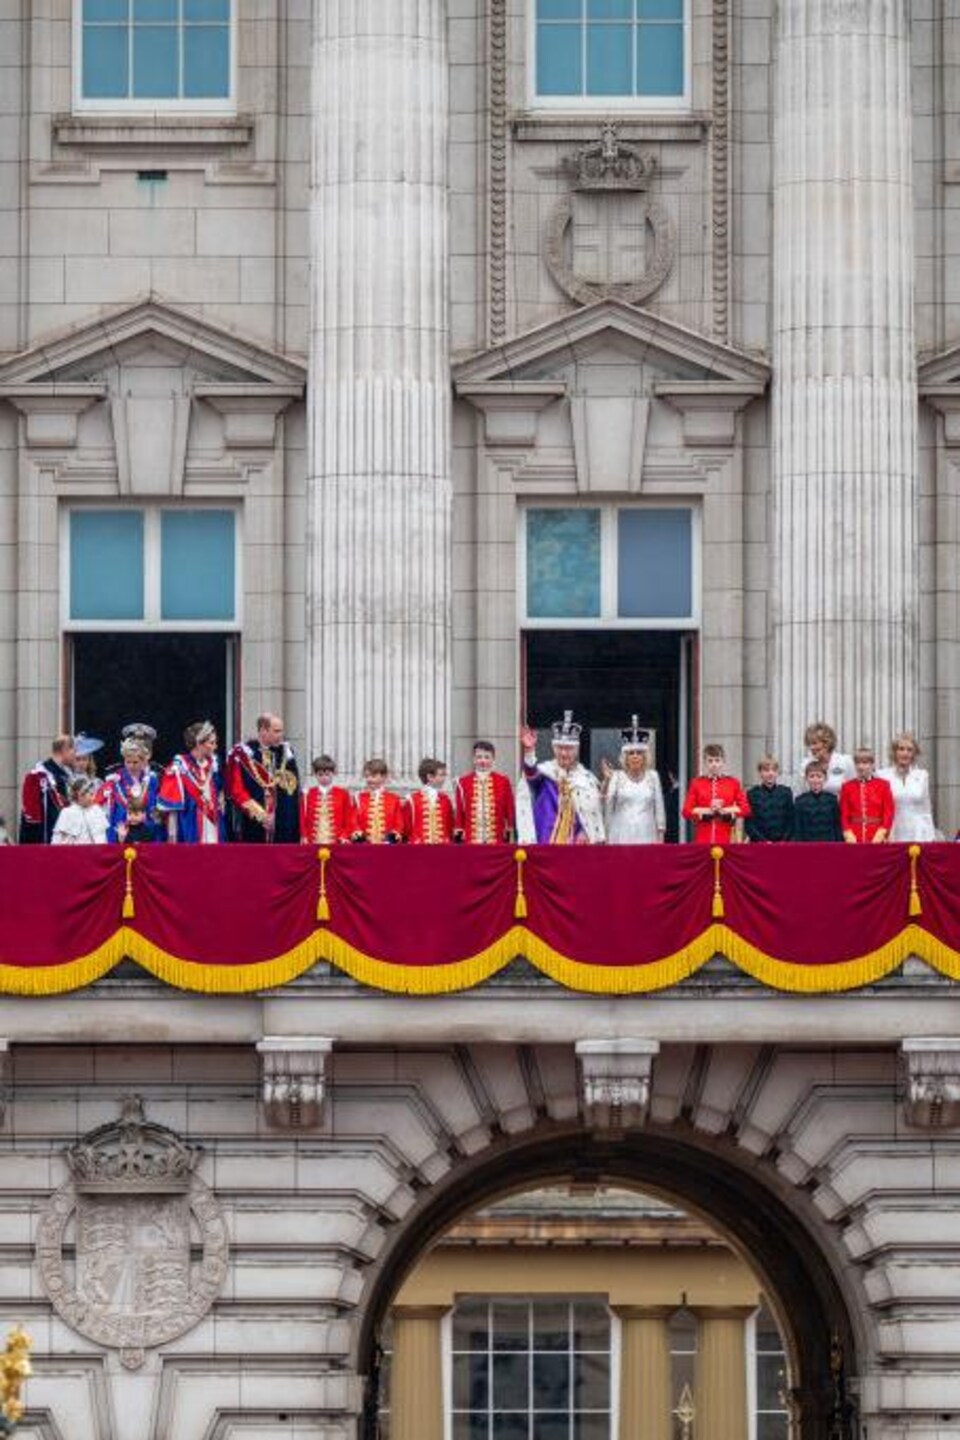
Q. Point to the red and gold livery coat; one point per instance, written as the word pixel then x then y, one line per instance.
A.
pixel 380 817
pixel 866 807
pixel 484 809
pixel 327 816
pixel 703 792
pixel 429 822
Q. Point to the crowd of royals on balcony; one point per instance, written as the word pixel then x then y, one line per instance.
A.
pixel 257 796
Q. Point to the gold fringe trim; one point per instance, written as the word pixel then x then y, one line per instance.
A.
pixel 444 978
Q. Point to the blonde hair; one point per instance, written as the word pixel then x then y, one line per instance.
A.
pixel 863 752
pixel 904 737
pixel 766 760
pixel 820 730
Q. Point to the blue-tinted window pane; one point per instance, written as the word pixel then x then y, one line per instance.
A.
pixel 559 61
pixel 105 10
pixel 609 9
pixel 105 73
pixel 206 61
pixel 609 69
pixel 559 9
pixel 660 9
pixel 655 563
pixel 155 10
pixel 155 67
pixel 206 10
pixel 659 59
pixel 106 565
pixel 197 565
pixel 563 564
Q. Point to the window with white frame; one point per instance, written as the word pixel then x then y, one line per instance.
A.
pixel 531 1369
pixel 153 54
pixel 609 565
pixel 771 1419
pixel 127 568
pixel 618 52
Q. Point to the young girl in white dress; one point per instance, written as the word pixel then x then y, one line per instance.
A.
pixel 913 817
pixel 633 809
pixel 82 822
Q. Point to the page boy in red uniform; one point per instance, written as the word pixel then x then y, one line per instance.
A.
pixel 429 809
pixel 715 802
pixel 326 810
pixel 379 815
pixel 866 804
pixel 484 801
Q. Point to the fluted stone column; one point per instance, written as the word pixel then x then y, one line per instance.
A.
pixel 416 1373
pixel 845 556
pixel 720 1373
pixel 645 1381
pixel 379 490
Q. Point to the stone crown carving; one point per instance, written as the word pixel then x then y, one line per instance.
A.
pixel 132 1156
pixel 609 164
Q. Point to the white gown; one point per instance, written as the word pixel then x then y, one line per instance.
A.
pixel 80 825
pixel 912 816
pixel 633 809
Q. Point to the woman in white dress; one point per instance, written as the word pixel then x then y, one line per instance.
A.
pixel 913 817
pixel 633 809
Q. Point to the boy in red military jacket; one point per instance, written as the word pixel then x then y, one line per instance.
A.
pixel 484 801
pixel 866 803
pixel 429 809
pixel 326 810
pixel 715 802
pixel 380 816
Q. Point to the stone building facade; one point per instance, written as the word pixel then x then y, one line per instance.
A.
pixel 408 366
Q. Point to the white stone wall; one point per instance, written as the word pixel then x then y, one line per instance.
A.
pixel 309 1215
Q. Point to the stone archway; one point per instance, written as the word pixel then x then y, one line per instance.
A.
pixel 757 1222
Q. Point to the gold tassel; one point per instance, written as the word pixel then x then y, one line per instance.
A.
pixel 716 855
pixel 915 906
pixel 520 903
pixel 323 905
pixel 129 911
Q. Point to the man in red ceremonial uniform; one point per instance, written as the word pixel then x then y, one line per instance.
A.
pixel 866 804
pixel 45 792
pixel 326 810
pixel 262 784
pixel 715 802
pixel 380 815
pixel 484 801
pixel 429 809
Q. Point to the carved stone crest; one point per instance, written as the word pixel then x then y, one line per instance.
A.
pixel 609 238
pixel 133 1249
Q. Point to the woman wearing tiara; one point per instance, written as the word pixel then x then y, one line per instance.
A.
pixel 633 808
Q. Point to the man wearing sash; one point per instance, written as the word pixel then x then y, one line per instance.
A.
pixel 191 791
pixel 45 792
pixel 559 803
pixel 262 786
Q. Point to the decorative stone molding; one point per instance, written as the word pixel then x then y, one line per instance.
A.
pixel 606 169
pixel 709 408
pixel 497 163
pixel 510 408
pixel 52 411
pixel 609 439
pixel 116 1245
pixel 945 399
pixel 615 1081
pixel 250 411
pixel 293 1073
pixel 932 1082
pixel 720 157
pixel 160 131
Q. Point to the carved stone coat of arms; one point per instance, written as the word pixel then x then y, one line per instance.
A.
pixel 133 1249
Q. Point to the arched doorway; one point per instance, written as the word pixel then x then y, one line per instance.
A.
pixel 791 1267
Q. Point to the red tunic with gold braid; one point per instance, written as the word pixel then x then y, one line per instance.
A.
pixel 326 815
pixel 380 818
pixel 484 808
pixel 429 821
pixel 866 806
pixel 705 790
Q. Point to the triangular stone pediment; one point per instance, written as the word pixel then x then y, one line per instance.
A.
pixel 942 368
pixel 151 334
pixel 610 329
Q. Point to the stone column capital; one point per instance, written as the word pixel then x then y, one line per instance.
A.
pixel 723 1312
pixel 663 1313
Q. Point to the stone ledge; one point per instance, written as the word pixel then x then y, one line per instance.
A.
pixel 547 128
pixel 163 131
